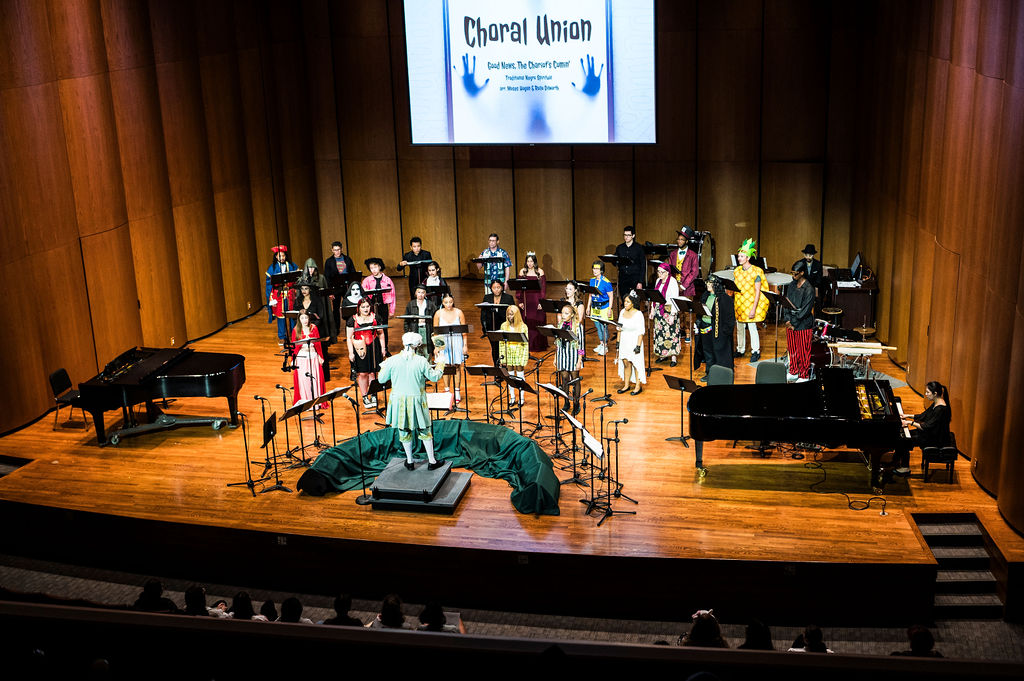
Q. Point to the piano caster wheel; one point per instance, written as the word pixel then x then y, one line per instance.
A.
pixel 115 439
pixel 218 424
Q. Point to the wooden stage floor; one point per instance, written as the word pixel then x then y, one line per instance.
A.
pixel 748 511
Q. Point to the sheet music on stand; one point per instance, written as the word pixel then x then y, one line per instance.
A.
pixel 589 441
pixel 440 401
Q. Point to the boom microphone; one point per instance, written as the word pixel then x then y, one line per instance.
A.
pixel 621 421
pixel 257 397
pixel 587 393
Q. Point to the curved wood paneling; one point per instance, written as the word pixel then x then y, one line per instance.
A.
pixel 966 19
pixel 1015 53
pixel 602 205
pixel 1010 494
pixel 484 180
pixel 992 380
pixel 993 36
pixel 728 92
pixel 665 199
pixel 113 299
pixel 25 35
pixel 428 210
pixel 543 209
pixel 93 155
pixel 371 209
pixel 77 29
pixel 790 211
pixel 727 204
pixel 920 310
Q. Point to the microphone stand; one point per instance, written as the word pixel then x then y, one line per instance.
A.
pixel 364 498
pixel 248 482
pixel 284 403
pixel 263 416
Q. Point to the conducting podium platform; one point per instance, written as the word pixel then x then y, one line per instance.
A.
pixel 421 489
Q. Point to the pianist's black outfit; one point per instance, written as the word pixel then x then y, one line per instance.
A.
pixel 932 431
pixel 633 271
pixel 492 318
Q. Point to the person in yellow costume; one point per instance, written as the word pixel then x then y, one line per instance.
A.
pixel 750 303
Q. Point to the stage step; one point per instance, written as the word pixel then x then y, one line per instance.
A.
pixel 968 607
pixel 421 489
pixel 965 587
pixel 965 581
pixel 952 534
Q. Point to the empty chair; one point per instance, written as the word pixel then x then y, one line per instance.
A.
pixel 719 375
pixel 64 394
pixel 941 455
pixel 770 372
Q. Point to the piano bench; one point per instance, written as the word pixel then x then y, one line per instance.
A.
pixel 940 455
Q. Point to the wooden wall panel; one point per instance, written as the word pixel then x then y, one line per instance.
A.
pixel 991 384
pixel 195 227
pixel 485 204
pixel 543 186
pixel 60 276
pixel 933 148
pixel 727 204
pixel 665 197
pixel 1010 492
pixel 790 211
pixel 25 34
pixel 21 364
pixel 900 288
pixel 371 207
pixel 728 95
pixel 113 298
pixel 324 123
pixel 796 68
pixel 983 173
pixel 920 310
pixel 91 140
pixel 953 212
pixel 967 337
pixel 77 30
pixel 942 329
pixel 966 21
pixel 265 183
pixel 229 174
pixel 1015 47
pixel 835 241
pixel 428 210
pixel 38 202
pixel 602 191
pixel 993 37
pixel 291 99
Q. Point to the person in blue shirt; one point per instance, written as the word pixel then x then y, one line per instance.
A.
pixel 494 271
pixel 600 305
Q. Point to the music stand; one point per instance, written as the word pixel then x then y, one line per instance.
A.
pixel 654 297
pixel 556 334
pixel 521 384
pixel 507 337
pixel 607 397
pixel 329 396
pixel 525 284
pixel 295 410
pixel 485 261
pixel 576 425
pixel 375 388
pixel 269 435
pixel 437 402
pixel 436 293
pixel 691 308
pixel 452 369
pixel 684 386
pixel 779 301
pixel 485 370
pixel 556 394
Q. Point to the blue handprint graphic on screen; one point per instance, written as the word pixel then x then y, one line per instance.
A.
pixel 469 77
pixel 592 84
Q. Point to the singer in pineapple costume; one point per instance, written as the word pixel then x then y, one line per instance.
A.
pixel 407 409
pixel 750 304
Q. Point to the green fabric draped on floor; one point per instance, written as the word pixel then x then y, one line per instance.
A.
pixel 490 451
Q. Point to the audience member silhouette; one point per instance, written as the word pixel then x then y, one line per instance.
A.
pixel 195 601
pixel 433 619
pixel 269 610
pixel 922 643
pixel 291 611
pixel 152 599
pixel 342 604
pixel 241 608
pixel 811 641
pixel 390 616
pixel 759 636
pixel 705 631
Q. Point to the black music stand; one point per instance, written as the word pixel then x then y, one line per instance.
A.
pixel 492 310
pixel 521 384
pixel 607 397
pixel 328 397
pixel 690 307
pixel 558 394
pixel 375 388
pixel 436 293
pixel 295 410
pixel 450 369
pixel 779 301
pixel 485 370
pixel 249 481
pixel 576 425
pixel 556 333
pixel 683 385
pixel 269 435
pixel 653 297
pixel 507 337
pixel 525 284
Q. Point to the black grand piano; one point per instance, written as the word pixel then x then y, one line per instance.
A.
pixel 148 374
pixel 834 410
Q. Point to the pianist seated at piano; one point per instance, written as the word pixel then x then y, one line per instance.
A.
pixel 308 360
pixel 930 427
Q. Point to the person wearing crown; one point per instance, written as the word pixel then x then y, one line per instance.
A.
pixel 529 302
pixel 751 305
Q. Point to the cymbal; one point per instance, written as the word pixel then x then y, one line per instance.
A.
pixel 865 330
pixel 832 310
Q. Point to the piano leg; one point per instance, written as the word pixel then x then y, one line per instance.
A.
pixel 101 433
pixel 698 453
pixel 233 409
